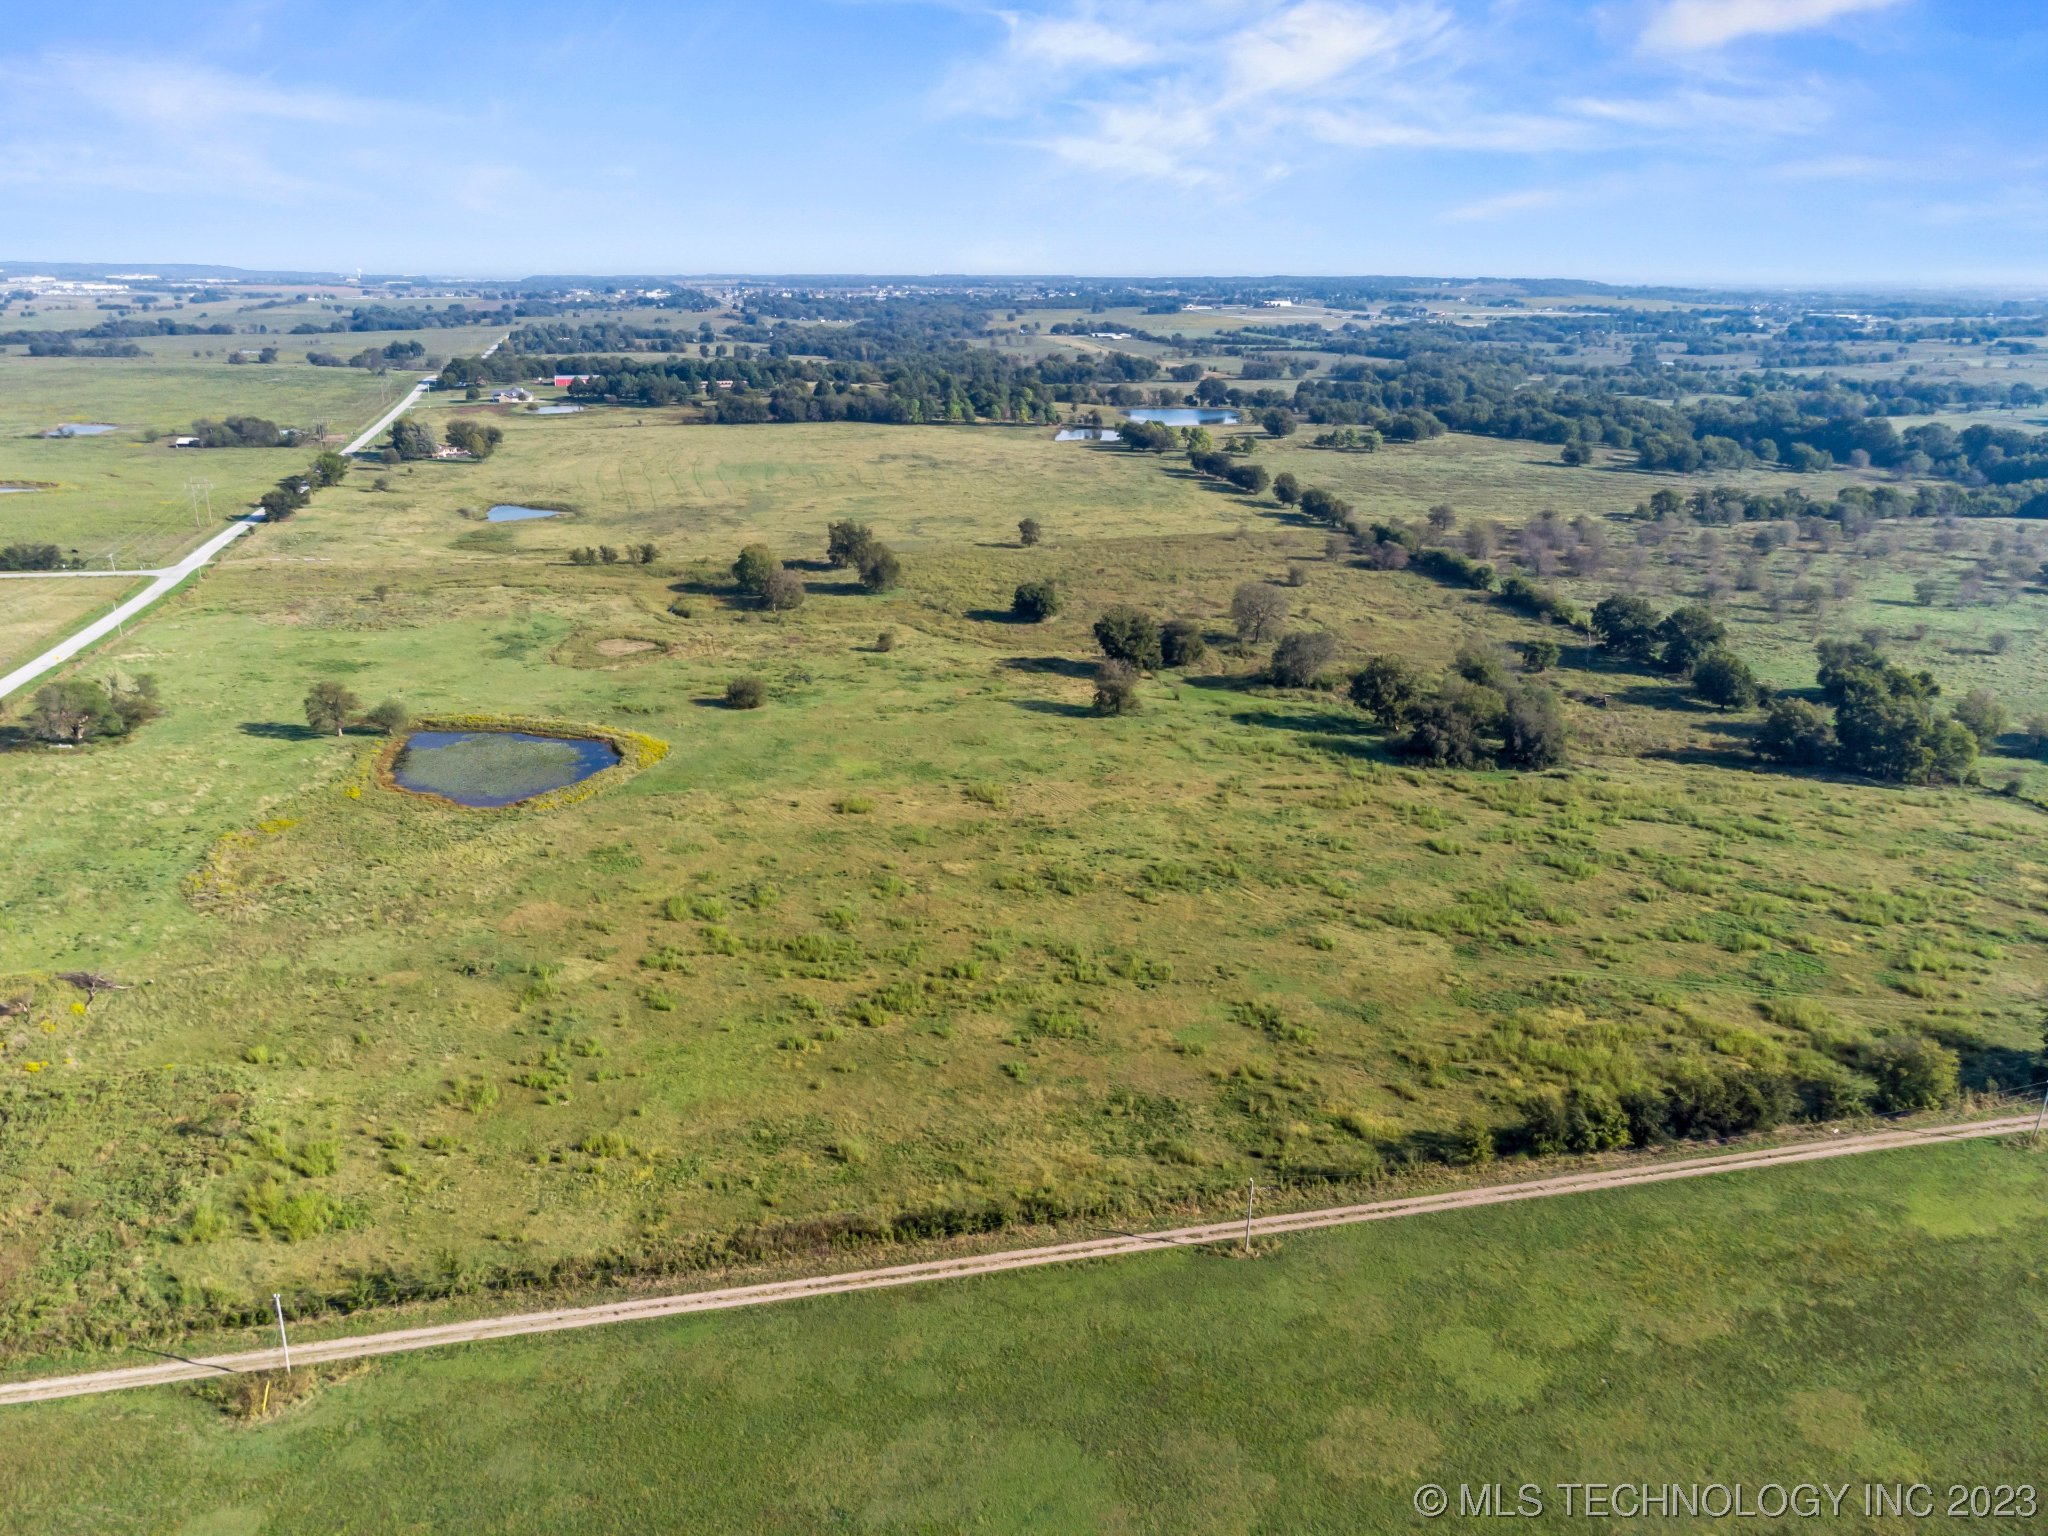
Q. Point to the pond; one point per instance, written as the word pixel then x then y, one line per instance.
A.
pixel 1187 416
pixel 556 410
pixel 81 429
pixel 1086 435
pixel 488 769
pixel 510 512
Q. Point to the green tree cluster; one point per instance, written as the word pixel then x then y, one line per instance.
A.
pixel 82 710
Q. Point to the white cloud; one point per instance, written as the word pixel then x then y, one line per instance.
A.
pixel 1768 112
pixel 1310 45
pixel 157 125
pixel 1203 91
pixel 1231 94
pixel 1071 42
pixel 1686 26
pixel 1505 204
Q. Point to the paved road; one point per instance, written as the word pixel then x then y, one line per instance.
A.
pixel 408 1339
pixel 370 433
pixel 163 581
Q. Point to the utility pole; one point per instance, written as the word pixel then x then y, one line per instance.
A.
pixel 1251 1193
pixel 2036 1134
pixel 278 1301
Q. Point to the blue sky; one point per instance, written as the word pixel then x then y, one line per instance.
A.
pixel 1774 141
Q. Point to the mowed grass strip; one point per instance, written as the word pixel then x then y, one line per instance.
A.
pixel 1849 1322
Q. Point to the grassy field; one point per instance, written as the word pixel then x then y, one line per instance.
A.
pixel 117 495
pixel 923 935
pixel 1848 1322
pixel 33 614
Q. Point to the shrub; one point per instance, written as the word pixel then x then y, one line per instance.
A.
pixel 1035 601
pixel 1029 531
pixel 1181 643
pixel 1540 655
pixel 1116 688
pixel 1796 734
pixel 1286 488
pixel 474 438
pixel 782 590
pixel 1257 609
pixel 1525 596
pixel 1722 678
pixel 1129 635
pixel 474 1094
pixel 31 557
pixel 1481 662
pixel 879 568
pixel 1686 637
pixel 1449 565
pixel 409 440
pixel 1982 714
pixel 846 543
pixel 1301 658
pixel 750 572
pixel 1440 730
pixel 746 693
pixel 1533 730
pixel 330 706
pixel 1386 688
pixel 1626 627
pixel 1912 1072
pixel 390 717
pixel 80 710
pixel 1385 554
pixel 886 640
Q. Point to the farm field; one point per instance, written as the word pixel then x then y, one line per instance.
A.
pixel 1851 1322
pixel 116 495
pixel 33 614
pixel 921 945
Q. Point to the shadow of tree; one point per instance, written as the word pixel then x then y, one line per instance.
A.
pixel 280 730
pixel 1333 730
pixel 1223 682
pixel 1050 666
pixel 1056 707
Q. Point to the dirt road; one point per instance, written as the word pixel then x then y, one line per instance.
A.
pixel 309 1352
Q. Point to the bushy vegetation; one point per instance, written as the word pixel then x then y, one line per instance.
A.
pixel 77 711
pixel 1885 724
pixel 1035 601
pixel 1129 635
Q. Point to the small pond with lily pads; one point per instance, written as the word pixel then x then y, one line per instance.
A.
pixel 489 769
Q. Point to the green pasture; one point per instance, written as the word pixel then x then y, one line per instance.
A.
pixel 922 934
pixel 1851 1322
pixel 120 496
